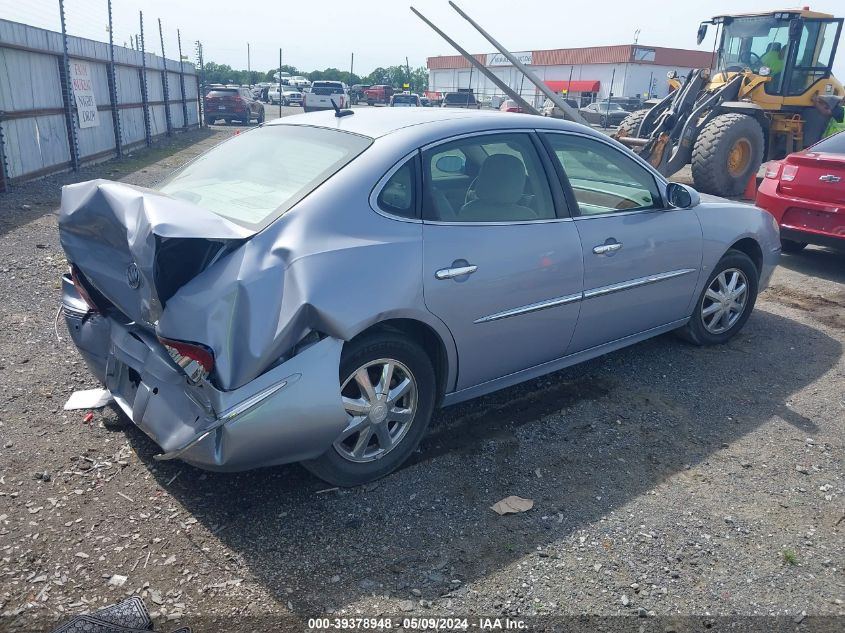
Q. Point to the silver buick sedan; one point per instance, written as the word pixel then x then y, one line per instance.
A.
pixel 310 291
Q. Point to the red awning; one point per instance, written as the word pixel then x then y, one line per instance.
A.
pixel 576 85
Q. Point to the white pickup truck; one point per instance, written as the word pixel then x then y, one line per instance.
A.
pixel 323 93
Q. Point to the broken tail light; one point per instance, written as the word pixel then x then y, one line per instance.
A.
pixel 76 277
pixel 195 360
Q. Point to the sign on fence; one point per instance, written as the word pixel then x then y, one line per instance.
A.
pixel 83 93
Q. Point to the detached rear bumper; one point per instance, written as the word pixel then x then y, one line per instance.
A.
pixel 290 413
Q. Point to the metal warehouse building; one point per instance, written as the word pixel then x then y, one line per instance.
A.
pixel 585 74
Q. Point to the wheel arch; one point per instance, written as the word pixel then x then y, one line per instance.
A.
pixel 752 248
pixel 439 347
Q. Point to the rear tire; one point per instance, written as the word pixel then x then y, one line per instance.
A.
pixel 705 326
pixel 727 152
pixel 391 440
pixel 788 246
pixel 631 123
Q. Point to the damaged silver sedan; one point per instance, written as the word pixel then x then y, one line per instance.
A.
pixel 316 305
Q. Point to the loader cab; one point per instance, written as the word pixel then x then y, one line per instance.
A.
pixel 794 49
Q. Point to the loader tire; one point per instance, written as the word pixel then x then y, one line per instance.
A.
pixel 630 124
pixel 727 152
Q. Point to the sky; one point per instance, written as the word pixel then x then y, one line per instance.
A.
pixel 318 34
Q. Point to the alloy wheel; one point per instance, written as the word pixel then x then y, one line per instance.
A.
pixel 380 399
pixel 724 301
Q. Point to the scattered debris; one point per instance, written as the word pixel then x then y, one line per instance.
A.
pixel 512 505
pixel 117 580
pixel 88 399
pixel 127 497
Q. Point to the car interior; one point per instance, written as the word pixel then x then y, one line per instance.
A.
pixel 484 179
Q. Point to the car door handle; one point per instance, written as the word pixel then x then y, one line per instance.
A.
pixel 604 249
pixel 458 271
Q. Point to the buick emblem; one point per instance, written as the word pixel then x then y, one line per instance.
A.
pixel 133 275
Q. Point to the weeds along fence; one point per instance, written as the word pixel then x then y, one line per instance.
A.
pixel 67 100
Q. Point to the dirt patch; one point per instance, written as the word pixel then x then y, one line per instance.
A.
pixel 828 309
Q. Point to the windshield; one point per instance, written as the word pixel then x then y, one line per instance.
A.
pixel 754 42
pixel 254 177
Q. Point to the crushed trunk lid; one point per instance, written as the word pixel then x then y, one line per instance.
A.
pixel 137 246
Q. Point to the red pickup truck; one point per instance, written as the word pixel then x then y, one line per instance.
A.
pixel 378 94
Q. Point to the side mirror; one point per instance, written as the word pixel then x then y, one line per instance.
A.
pixel 450 164
pixel 682 197
pixel 702 32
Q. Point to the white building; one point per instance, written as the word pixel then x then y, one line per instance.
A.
pixel 585 74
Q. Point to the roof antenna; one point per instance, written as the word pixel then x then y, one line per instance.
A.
pixel 338 112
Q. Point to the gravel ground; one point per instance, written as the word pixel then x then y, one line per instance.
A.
pixel 666 479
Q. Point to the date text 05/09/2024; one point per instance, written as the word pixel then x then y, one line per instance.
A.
pixel 418 624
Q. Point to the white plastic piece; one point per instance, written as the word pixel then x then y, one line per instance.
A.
pixel 88 399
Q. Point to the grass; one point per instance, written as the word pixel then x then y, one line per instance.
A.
pixel 790 557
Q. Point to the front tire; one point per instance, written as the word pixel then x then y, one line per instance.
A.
pixel 631 124
pixel 727 152
pixel 725 303
pixel 388 388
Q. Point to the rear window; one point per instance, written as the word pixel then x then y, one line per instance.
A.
pixel 254 177
pixel 223 92
pixel 459 98
pixel 832 144
pixel 326 88
pixel 405 99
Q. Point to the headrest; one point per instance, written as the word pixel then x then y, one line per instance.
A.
pixel 501 179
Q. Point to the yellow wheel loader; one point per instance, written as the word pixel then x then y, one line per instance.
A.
pixel 755 104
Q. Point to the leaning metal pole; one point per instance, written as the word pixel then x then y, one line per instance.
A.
pixel 523 104
pixel 570 112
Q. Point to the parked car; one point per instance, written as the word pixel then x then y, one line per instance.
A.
pixel 356 93
pixel 380 94
pixel 604 114
pixel 299 81
pixel 460 100
pixel 325 95
pixel 253 312
pixel 551 110
pixel 288 96
pixel 405 100
pixel 509 105
pixel 805 192
pixel 233 104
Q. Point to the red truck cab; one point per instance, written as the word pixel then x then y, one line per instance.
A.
pixel 378 94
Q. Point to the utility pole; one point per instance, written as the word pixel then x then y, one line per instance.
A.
pixel 202 116
pixel 182 80
pixel 165 83
pixel 280 83
pixel 633 54
pixel 144 94
pixel 351 66
pixel 115 113
pixel 67 95
pixel 408 69
pixel 248 66
pixel 609 95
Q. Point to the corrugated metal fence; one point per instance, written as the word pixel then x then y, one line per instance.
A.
pixel 34 135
